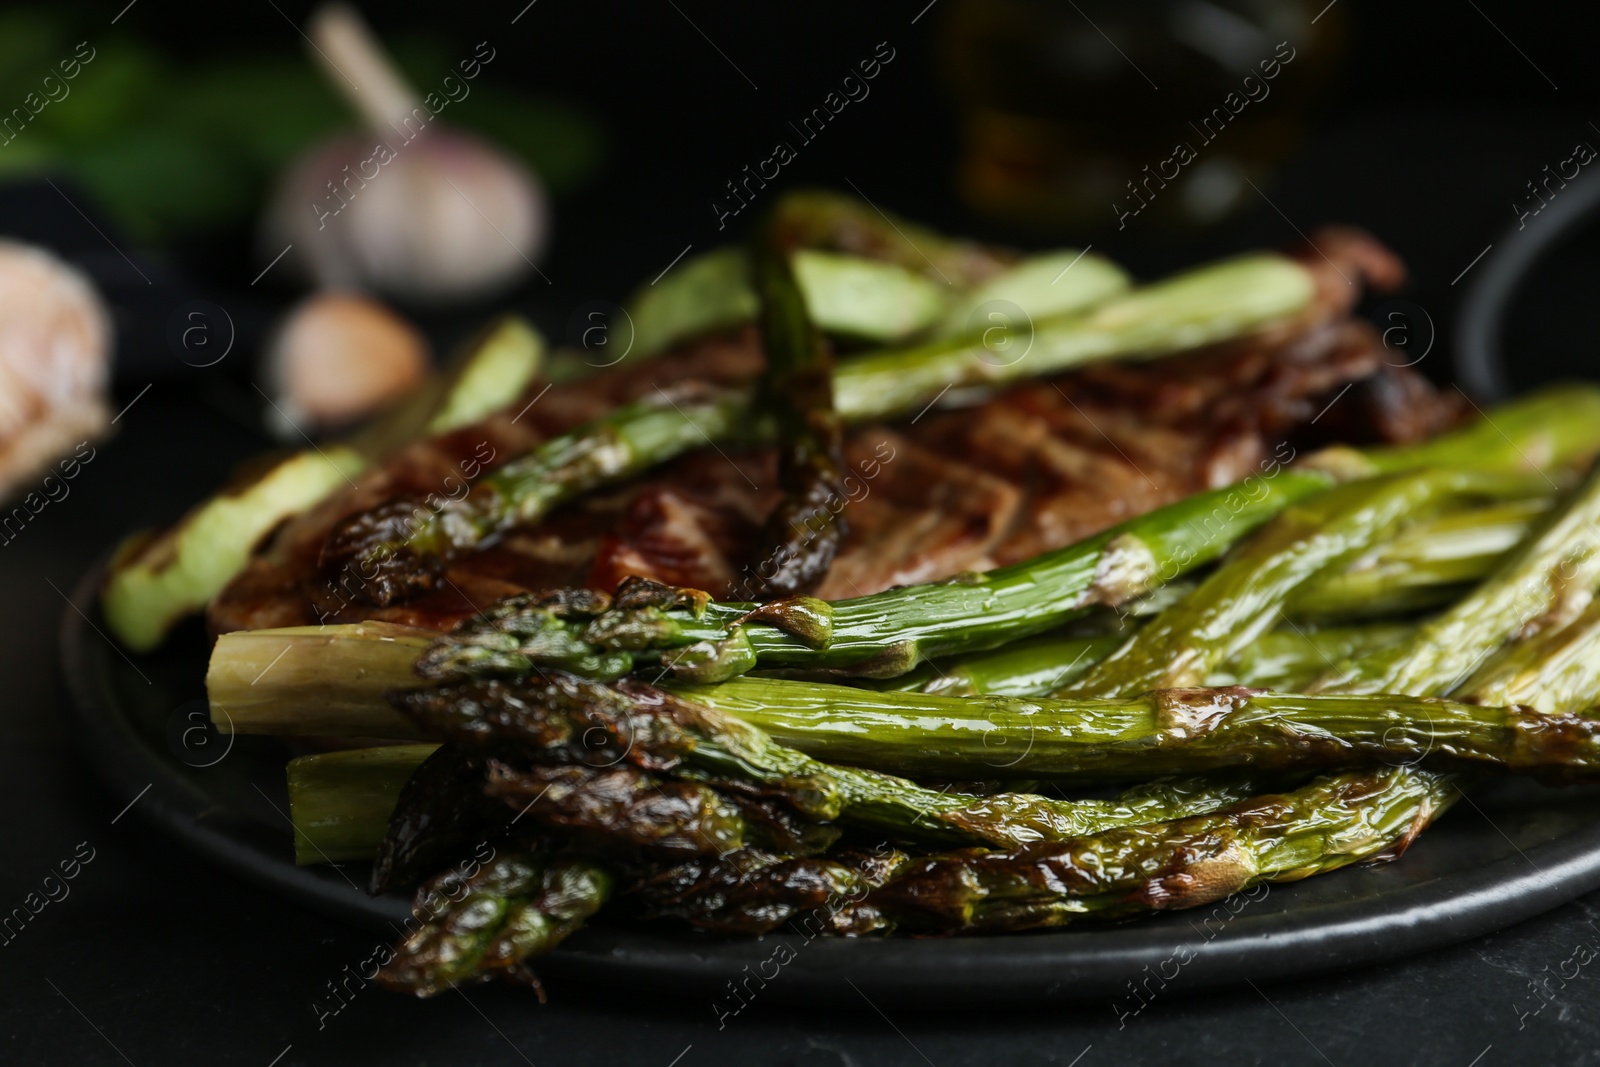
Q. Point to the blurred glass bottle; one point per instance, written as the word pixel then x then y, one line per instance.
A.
pixel 1089 113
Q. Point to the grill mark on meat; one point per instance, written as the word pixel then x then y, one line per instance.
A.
pixel 1037 467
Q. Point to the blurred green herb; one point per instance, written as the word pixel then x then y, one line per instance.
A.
pixel 171 149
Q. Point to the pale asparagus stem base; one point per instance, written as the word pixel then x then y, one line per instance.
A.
pixel 339 802
pixel 311 681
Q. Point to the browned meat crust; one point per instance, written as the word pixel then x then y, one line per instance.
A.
pixel 1037 467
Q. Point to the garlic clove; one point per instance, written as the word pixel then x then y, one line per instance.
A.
pixel 448 218
pixel 55 362
pixel 338 357
pixel 411 209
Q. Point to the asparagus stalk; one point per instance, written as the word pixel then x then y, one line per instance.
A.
pixel 340 810
pixel 846 295
pixel 1547 580
pixel 1169 731
pixel 397 549
pixel 1289 660
pixel 1032 667
pixel 885 634
pixel 340 801
pixel 1333 822
pixel 314 680
pixel 1039 287
pixel 158 579
pixel 804 531
pixel 1554 670
pixel 587 726
pixel 882 635
pixel 1336 821
pixel 1423 566
pixel 834 222
pixel 1200 307
pixel 336 686
pixel 1286 660
pixel 1207 305
pixel 473 927
pixel 1244 598
pixel 1543 430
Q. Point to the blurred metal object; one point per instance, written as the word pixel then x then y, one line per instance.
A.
pixel 1091 113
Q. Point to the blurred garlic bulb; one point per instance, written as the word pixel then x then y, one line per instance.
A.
pixel 338 357
pixel 55 361
pixel 410 209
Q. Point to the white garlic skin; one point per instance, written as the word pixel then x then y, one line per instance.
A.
pixel 55 361
pixel 441 218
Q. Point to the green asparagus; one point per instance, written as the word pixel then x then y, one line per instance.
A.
pixel 1425 565
pixel 395 556
pixel 588 726
pixel 1547 580
pixel 803 533
pixel 158 579
pixel 1169 731
pixel 1244 598
pixel 489 923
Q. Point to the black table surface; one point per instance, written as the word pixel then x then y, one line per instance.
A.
pixel 154 956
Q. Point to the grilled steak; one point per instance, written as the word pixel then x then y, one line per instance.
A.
pixel 1036 467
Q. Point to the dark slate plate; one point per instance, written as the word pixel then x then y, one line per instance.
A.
pixel 1509 852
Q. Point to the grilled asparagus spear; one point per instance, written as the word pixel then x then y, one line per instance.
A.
pixel 590 726
pixel 1347 817
pixel 489 923
pixel 1203 306
pixel 159 578
pixel 796 388
pixel 1244 598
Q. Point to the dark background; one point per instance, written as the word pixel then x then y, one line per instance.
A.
pixel 1427 135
